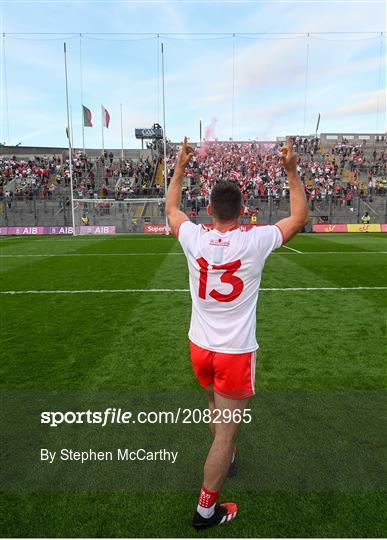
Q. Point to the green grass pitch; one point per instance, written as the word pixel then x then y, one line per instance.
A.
pixel 319 340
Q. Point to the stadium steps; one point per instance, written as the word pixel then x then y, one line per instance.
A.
pixel 159 175
pixel 154 175
pixel 138 211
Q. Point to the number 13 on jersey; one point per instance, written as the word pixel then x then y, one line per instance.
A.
pixel 228 276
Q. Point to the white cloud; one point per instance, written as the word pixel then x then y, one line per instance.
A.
pixel 371 103
pixel 214 98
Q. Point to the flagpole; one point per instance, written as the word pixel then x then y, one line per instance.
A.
pixel 103 143
pixel 122 136
pixel 164 134
pixel 81 78
pixel 69 139
pixel 200 131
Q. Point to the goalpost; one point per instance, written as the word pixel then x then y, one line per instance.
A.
pixel 143 215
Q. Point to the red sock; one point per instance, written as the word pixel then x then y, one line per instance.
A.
pixel 207 502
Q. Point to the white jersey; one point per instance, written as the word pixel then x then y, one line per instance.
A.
pixel 225 272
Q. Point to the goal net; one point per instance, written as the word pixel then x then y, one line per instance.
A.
pixel 126 216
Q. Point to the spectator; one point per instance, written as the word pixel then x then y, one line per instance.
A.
pixel 366 218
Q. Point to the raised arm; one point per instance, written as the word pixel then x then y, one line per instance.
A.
pixel 298 218
pixel 172 204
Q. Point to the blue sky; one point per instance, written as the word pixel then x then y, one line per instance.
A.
pixel 272 95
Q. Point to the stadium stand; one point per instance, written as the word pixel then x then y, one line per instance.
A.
pixel 343 177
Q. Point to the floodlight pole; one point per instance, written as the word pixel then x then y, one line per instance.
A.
pixel 69 140
pixel 164 136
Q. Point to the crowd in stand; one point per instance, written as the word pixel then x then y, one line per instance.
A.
pixel 359 159
pixel 119 179
pixel 257 169
pixel 31 177
pixel 134 178
pixel 48 177
pixel 338 175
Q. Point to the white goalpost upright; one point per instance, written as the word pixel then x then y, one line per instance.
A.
pixel 164 136
pixel 69 135
pixel 126 216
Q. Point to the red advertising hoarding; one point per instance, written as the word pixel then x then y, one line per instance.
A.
pixel 159 228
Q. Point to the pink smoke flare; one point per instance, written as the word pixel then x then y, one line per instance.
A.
pixel 209 135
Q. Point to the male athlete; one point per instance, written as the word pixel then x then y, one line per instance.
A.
pixel 225 268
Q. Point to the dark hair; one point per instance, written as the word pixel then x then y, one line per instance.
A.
pixel 226 200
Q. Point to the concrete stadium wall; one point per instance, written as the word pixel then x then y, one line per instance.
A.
pixel 136 153
pixel 369 138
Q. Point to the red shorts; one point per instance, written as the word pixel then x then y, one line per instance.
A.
pixel 232 375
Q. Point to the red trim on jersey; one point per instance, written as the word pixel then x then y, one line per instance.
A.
pixel 228 230
pixel 282 234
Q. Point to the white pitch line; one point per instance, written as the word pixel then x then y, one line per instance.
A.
pixel 292 249
pixel 325 289
pixel 86 238
pixel 16 255
pixel 330 252
pixel 337 252
pixel 9 256
pixel 93 291
pixel 276 289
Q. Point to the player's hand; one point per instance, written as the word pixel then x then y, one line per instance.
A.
pixel 289 157
pixel 185 154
